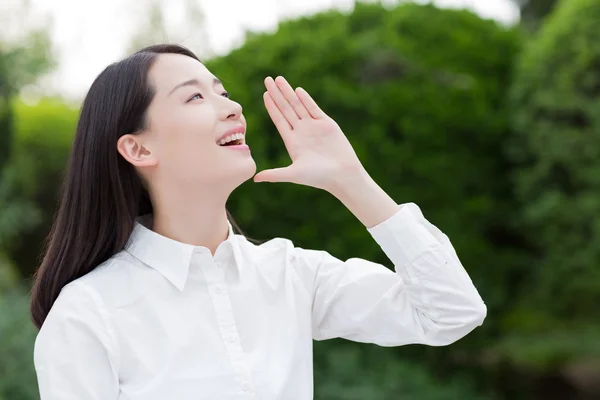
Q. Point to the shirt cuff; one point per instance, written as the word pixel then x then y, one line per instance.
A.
pixel 403 237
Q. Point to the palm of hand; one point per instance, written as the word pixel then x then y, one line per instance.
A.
pixel 318 148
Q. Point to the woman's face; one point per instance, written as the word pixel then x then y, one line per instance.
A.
pixel 188 121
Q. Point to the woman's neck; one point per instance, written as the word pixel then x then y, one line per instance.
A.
pixel 189 220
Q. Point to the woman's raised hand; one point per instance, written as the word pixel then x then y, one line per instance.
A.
pixel 321 154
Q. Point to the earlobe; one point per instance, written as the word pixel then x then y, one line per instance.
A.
pixel 133 150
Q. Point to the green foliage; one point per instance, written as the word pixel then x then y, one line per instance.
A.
pixel 351 372
pixel 17 374
pixel 5 129
pixel 556 103
pixel 43 136
pixel 8 275
pixel 22 63
pixel 18 213
pixel 533 12
pixel 22 60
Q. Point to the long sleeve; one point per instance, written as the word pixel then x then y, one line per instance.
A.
pixel 73 352
pixel 429 299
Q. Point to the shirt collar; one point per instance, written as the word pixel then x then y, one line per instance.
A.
pixel 169 257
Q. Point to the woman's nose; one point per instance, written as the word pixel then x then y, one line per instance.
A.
pixel 232 109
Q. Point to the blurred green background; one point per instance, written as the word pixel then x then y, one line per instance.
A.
pixel 493 130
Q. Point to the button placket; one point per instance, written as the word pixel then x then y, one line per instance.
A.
pixel 246 385
pixel 219 295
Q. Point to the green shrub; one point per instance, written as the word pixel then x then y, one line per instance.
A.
pixel 43 136
pixel 351 372
pixel 17 374
pixel 556 103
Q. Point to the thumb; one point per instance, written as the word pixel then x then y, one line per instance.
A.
pixel 275 175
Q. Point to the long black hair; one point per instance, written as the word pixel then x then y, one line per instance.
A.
pixel 102 193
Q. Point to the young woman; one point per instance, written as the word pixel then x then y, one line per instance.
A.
pixel 146 292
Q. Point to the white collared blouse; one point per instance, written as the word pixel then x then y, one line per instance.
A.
pixel 164 320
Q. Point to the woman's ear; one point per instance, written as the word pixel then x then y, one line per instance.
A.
pixel 134 150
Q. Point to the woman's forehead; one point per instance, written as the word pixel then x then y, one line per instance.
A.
pixel 170 70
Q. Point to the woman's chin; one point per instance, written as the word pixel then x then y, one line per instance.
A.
pixel 243 171
pixel 225 177
pixel 250 169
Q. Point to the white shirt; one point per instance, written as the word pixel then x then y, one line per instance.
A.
pixel 163 320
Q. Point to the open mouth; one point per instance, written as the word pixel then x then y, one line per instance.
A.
pixel 232 140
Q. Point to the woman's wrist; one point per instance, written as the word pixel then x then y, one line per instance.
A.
pixel 364 198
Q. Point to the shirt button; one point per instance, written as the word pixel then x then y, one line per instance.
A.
pixel 231 338
pixel 218 290
pixel 245 386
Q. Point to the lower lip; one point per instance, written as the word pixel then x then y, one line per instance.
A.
pixel 237 147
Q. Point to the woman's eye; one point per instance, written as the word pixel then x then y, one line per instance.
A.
pixel 197 95
pixel 225 94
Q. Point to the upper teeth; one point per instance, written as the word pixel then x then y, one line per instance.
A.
pixel 231 138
